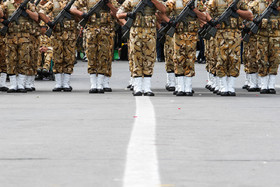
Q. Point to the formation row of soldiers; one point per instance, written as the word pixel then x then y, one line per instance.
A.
pixel 222 51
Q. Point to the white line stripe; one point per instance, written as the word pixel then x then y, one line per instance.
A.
pixel 141 162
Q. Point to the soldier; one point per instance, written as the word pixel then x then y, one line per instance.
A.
pixel 185 40
pixel 63 43
pixel 3 65
pixel 142 43
pixel 18 44
pixel 250 60
pixel 34 37
pixel 268 39
pixel 99 42
pixel 169 63
pixel 228 41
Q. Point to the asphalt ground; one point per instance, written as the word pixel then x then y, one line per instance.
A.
pixel 96 140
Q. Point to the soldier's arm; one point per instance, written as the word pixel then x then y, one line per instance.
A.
pixel 159 6
pixel 33 15
pixel 113 9
pixel 76 12
pixel 245 14
pixel 200 15
pixel 1 13
pixel 45 18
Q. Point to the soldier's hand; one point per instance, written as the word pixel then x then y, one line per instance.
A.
pixel 131 15
pixel 50 24
pixel 84 15
pixel 172 22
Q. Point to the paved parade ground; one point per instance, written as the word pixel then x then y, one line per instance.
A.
pixel 78 139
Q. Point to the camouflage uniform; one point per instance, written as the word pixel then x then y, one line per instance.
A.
pixel 185 40
pixel 63 43
pixel 268 45
pixel 228 40
pixel 142 44
pixel 250 60
pixel 99 43
pixel 3 65
pixel 18 47
pixel 45 42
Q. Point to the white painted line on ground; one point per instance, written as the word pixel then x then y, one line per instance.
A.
pixel 141 162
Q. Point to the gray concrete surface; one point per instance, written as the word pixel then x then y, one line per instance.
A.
pixel 79 140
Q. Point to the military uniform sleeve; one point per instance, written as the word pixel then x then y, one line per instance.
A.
pixel 46 8
pixel 242 5
pixel 125 7
pixel 211 8
pixel 200 6
pixel 170 6
pixel 80 4
pixel 115 3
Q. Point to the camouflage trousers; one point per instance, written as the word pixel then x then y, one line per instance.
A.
pixel 129 60
pixel 32 67
pixel 109 66
pixel 99 49
pixel 64 51
pixel 206 54
pixel 45 59
pixel 169 53
pixel 268 55
pixel 228 60
pixel 3 65
pixel 212 50
pixel 18 53
pixel 250 60
pixel 184 53
pixel 143 50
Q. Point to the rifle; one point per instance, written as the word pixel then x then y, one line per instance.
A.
pixel 253 28
pixel 95 9
pixel 60 17
pixel 139 8
pixel 171 26
pixel 14 17
pixel 210 30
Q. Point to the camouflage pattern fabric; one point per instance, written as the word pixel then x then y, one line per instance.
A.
pixel 212 53
pixel 3 65
pixel 18 53
pixel 250 60
pixel 142 48
pixel 32 67
pixel 206 54
pixel 184 53
pixel 185 38
pixel 268 45
pixel 99 38
pixel 109 65
pixel 99 42
pixel 169 53
pixel 129 59
pixel 268 54
pixel 18 44
pixel 45 41
pixel 63 44
pixel 228 61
